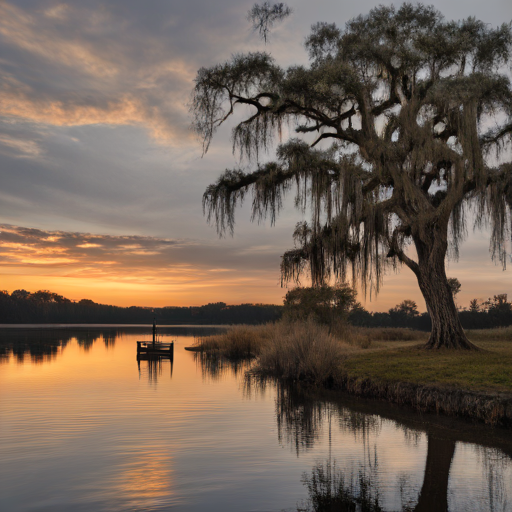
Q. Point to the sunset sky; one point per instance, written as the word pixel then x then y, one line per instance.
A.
pixel 101 177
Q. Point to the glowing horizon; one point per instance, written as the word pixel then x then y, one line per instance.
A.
pixel 157 272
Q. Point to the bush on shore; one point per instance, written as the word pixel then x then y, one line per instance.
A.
pixel 304 351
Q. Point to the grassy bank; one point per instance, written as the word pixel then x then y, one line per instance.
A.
pixel 489 370
pixel 476 385
pixel 382 363
pixel 298 350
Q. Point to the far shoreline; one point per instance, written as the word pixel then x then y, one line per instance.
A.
pixel 67 325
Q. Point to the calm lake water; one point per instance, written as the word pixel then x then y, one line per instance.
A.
pixel 83 427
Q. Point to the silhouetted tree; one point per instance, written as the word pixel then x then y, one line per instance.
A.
pixel 404 313
pixel 474 306
pixel 454 285
pixel 20 294
pixel 405 96
pixel 326 304
pixel 45 306
pixel 407 308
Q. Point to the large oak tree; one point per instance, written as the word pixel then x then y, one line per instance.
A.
pixel 405 123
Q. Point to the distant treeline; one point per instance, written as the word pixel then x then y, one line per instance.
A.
pixel 23 307
pixel 334 304
pixel 494 312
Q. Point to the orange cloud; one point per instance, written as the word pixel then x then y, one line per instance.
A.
pixel 156 273
pixel 150 271
pixel 126 111
pixel 47 261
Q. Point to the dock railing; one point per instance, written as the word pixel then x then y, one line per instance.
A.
pixel 148 347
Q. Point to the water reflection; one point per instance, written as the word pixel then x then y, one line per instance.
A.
pixel 98 433
pixel 144 481
pixel 40 346
pixel 216 368
pixel 377 478
pixel 329 491
pixel 155 367
pixel 331 488
pixel 46 344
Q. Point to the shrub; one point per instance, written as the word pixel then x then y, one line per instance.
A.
pixel 325 304
pixel 304 351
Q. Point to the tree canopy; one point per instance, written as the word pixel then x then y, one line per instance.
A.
pixel 412 122
pixel 325 304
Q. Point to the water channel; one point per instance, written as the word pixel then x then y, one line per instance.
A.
pixel 84 427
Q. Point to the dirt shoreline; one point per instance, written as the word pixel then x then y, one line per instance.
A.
pixel 490 408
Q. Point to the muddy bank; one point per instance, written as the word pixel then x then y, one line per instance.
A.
pixel 491 408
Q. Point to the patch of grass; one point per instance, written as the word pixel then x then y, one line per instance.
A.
pixel 393 334
pixel 490 335
pixel 488 370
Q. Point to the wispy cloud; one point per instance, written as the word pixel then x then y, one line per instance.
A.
pixel 126 110
pixel 91 69
pixel 40 37
pixel 39 247
pixel 19 148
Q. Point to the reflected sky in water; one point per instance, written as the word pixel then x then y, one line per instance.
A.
pixel 84 427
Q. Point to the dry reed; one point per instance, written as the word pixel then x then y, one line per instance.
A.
pixel 304 351
pixel 238 342
pixel 496 334
pixel 392 334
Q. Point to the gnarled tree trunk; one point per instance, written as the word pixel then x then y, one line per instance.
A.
pixel 447 331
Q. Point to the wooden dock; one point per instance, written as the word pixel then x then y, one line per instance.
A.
pixel 154 349
pixel 148 348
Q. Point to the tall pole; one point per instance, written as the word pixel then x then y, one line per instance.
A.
pixel 154 331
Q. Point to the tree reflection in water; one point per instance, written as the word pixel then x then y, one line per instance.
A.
pixel 45 344
pixel 214 368
pixel 41 346
pixel 329 491
pixel 334 486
